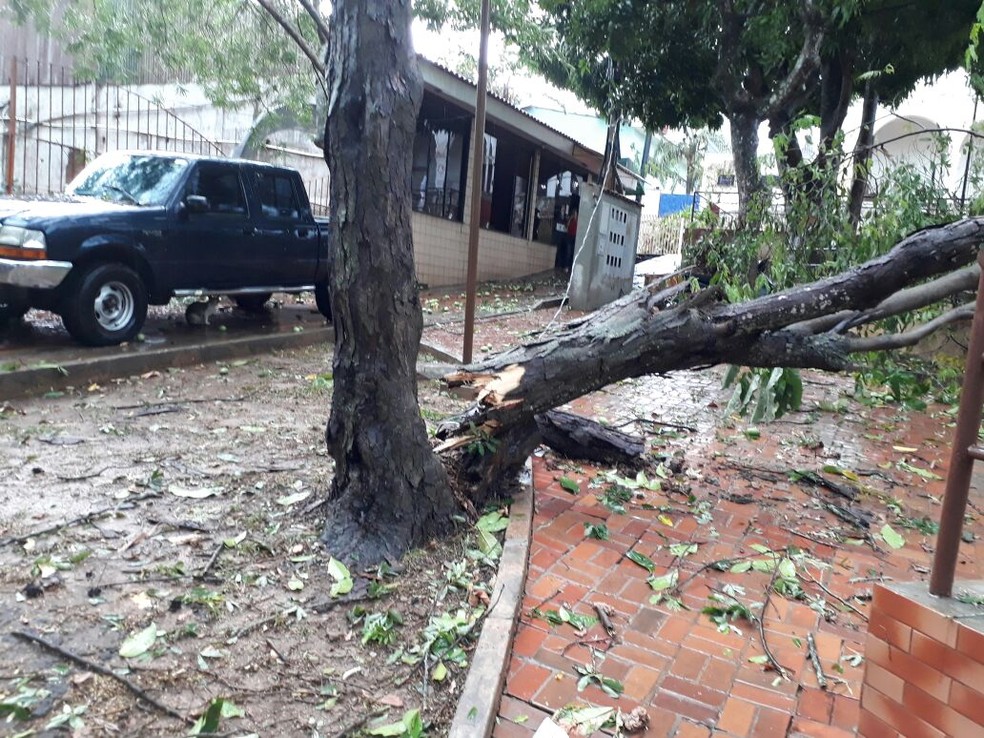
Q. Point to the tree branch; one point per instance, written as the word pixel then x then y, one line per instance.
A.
pixel 911 298
pixel 296 37
pixel 805 65
pixel 919 296
pixel 318 19
pixel 890 341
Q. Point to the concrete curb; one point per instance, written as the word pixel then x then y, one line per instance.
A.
pixel 37 380
pixel 34 381
pixel 478 705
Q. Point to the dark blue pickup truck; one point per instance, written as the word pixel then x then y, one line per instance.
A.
pixel 139 228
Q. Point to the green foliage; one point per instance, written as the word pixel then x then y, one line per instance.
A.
pixel 380 627
pixel 767 393
pixel 598 531
pixel 482 441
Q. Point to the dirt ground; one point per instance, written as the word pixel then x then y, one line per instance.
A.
pixel 174 516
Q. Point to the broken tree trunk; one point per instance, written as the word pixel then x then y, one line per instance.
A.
pixel 652 332
pixel 580 438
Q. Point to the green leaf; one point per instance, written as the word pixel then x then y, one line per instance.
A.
pixel 343 579
pixel 666 581
pixel 598 531
pixel 288 500
pixel 139 643
pixel 18 712
pixel 787 569
pixel 219 708
pixel 568 484
pixel 683 549
pixel 642 560
pixel 924 473
pixel 488 544
pixel 762 659
pixel 891 537
pixel 741 567
pixel 440 672
pixel 587 720
pixel 492 522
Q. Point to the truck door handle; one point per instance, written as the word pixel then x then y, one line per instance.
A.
pixel 303 233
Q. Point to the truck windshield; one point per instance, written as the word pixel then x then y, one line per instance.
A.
pixel 138 179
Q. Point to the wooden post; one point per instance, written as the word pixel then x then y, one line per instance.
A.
pixel 476 195
pixel 11 128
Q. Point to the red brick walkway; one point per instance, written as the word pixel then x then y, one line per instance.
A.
pixel 694 678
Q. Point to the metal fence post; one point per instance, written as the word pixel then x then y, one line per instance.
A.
pixel 11 128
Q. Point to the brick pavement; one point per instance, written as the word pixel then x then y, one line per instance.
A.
pixel 734 500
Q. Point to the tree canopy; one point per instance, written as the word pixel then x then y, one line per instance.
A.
pixel 690 63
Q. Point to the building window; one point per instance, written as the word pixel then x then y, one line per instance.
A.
pixel 726 180
pixel 437 179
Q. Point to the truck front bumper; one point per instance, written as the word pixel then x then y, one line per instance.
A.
pixel 43 274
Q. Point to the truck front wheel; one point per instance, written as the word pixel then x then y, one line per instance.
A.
pixel 106 305
pixel 322 299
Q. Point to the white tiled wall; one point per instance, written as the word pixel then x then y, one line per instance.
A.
pixel 441 253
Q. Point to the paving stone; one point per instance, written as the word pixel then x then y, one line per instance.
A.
pixel 694 680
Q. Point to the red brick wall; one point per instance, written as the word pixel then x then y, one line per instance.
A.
pixel 924 666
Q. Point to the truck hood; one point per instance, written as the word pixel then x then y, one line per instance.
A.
pixel 38 214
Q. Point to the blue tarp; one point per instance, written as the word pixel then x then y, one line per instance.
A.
pixel 671 204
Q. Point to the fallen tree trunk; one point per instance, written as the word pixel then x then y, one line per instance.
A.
pixel 580 438
pixel 652 332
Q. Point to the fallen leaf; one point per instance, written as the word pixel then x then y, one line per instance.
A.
pixel 139 643
pixel 288 500
pixel 194 493
pixel 391 700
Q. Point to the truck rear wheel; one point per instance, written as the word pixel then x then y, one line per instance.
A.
pixel 106 305
pixel 11 311
pixel 322 297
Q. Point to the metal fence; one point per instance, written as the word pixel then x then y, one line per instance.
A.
pixel 52 124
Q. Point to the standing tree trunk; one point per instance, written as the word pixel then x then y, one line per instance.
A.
pixel 862 154
pixel 390 492
pixel 744 147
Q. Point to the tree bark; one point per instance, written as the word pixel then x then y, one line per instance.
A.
pixel 641 334
pixel 390 492
pixel 862 154
pixel 580 438
pixel 744 147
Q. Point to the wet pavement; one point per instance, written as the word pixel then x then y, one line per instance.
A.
pixel 709 537
pixel 38 355
pixel 702 639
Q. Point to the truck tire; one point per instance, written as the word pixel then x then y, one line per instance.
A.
pixel 11 311
pixel 253 303
pixel 106 305
pixel 322 299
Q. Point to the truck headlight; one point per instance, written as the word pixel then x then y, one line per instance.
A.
pixel 23 238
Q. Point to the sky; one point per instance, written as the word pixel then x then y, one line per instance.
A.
pixel 530 89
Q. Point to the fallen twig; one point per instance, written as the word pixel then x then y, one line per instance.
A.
pixel 277 651
pixel 760 621
pixel 358 723
pixel 88 517
pixel 169 403
pixel 99 669
pixel 811 647
pixel 158 410
pixel 211 562
pixel 605 612
pixel 82 478
pixel 844 602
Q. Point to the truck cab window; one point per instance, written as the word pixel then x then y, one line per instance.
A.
pixel 276 195
pixel 220 187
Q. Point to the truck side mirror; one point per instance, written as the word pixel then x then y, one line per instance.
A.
pixel 196 204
